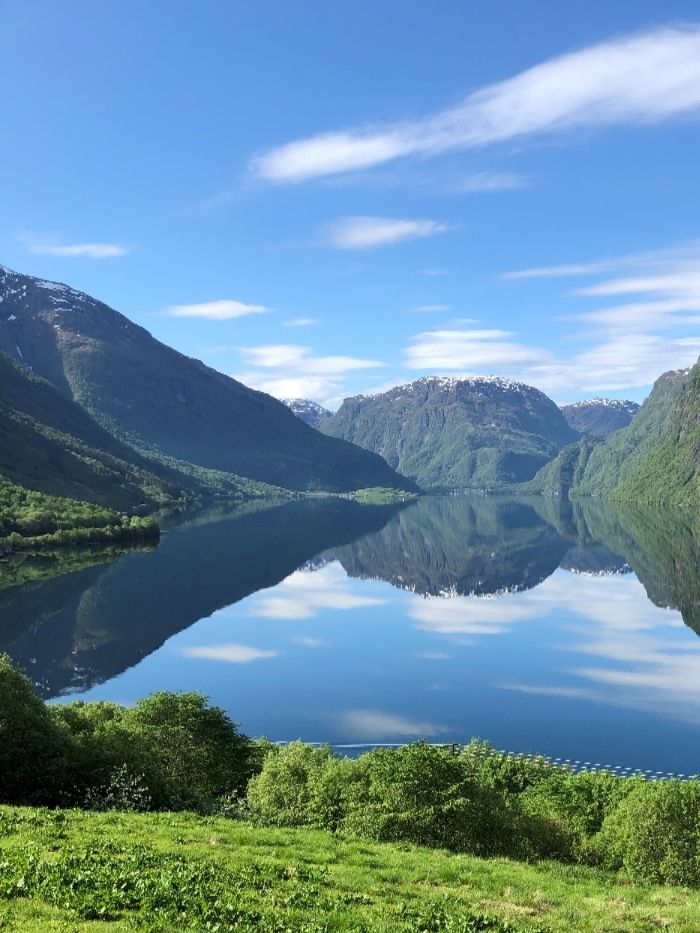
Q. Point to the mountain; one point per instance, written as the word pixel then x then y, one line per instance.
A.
pixel 480 432
pixel 310 412
pixel 50 444
pixel 164 403
pixel 599 417
pixel 458 546
pixel 591 468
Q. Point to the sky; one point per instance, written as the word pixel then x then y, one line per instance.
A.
pixel 323 199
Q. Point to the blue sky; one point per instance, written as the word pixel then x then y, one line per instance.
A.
pixel 324 198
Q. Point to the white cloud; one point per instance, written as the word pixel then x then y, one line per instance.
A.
pixel 431 309
pixel 627 351
pixel 224 310
pixel 665 286
pixel 624 360
pixel 634 80
pixel 492 181
pixel 651 664
pixel 472 615
pixel 370 232
pixel 301 322
pixel 469 351
pixel 376 725
pixel 296 358
pixel 306 593
pixel 231 653
pixel 293 371
pixel 75 250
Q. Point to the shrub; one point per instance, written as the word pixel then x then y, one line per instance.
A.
pixel 655 833
pixel 281 794
pixel 569 809
pixel 191 753
pixel 124 791
pixel 32 747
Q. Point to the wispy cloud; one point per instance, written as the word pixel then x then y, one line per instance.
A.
pixel 231 653
pixel 308 641
pixel 370 232
pixel 623 360
pixel 378 725
pixel 43 246
pixel 492 181
pixel 305 594
pixel 224 310
pixel 470 351
pixel 659 288
pixel 634 80
pixel 293 371
pixel 431 309
pixel 301 322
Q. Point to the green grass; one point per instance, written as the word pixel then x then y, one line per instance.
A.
pixel 80 871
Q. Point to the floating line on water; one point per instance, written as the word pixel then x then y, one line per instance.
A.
pixel 565 764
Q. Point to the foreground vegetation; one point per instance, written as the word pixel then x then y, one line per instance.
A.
pixel 380 495
pixel 31 520
pixel 75 871
pixel 296 838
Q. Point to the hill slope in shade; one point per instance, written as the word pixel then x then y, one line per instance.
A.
pixel 478 433
pixel 599 417
pixel 593 468
pixel 51 444
pixel 154 398
pixel 310 412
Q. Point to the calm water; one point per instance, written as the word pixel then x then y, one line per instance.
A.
pixel 566 630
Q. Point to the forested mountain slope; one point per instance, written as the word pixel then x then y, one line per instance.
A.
pixel 480 432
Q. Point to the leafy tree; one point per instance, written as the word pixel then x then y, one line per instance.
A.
pixel 196 752
pixel 32 746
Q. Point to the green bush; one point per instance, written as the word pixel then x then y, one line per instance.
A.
pixel 655 833
pixel 169 751
pixel 191 753
pixel 281 794
pixel 32 747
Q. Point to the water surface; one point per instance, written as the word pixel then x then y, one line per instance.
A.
pixel 568 630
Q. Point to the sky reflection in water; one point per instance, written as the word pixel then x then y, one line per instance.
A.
pixel 453 618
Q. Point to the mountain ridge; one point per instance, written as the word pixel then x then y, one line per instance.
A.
pixel 158 400
pixel 456 433
pixel 599 417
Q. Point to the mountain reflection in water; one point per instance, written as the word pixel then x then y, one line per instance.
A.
pixel 564 628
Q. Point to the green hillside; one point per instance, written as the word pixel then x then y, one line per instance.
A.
pixel 587 468
pixel 476 433
pixel 670 472
pixel 114 872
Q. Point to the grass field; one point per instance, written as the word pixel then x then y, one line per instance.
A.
pixel 75 871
